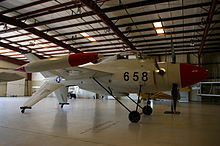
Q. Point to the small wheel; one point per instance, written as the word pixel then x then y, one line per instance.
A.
pixel 22 111
pixel 147 110
pixel 134 116
pixel 148 102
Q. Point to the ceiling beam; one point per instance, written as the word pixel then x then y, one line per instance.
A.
pixel 52 9
pixel 186 52
pixel 11 47
pixel 164 46
pixel 175 38
pixel 24 6
pixel 12 60
pixel 168 48
pixel 119 26
pixel 22 25
pixel 177 8
pixel 146 35
pixel 142 36
pixel 207 26
pixel 134 5
pixel 110 9
pixel 45 11
pixel 4 45
pixel 95 8
pixel 130 31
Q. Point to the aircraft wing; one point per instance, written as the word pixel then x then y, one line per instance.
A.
pixel 7 75
pixel 80 73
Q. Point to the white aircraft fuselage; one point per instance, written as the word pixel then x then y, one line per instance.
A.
pixel 111 76
pixel 126 76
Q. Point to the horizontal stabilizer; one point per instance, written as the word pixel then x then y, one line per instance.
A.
pixel 7 76
pixel 33 58
pixel 44 91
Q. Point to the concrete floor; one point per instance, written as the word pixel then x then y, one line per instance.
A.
pixel 89 122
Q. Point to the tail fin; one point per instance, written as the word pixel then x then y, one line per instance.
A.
pixel 32 58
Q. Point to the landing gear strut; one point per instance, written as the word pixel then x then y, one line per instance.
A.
pixel 62 104
pixel 147 110
pixel 23 108
pixel 134 116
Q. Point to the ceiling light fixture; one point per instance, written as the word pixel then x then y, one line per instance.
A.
pixel 92 39
pixel 158 27
pixel 159 31
pixel 157 24
pixel 86 35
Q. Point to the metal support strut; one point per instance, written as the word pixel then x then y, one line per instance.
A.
pixel 135 102
pixel 110 92
pixel 139 92
pixel 134 116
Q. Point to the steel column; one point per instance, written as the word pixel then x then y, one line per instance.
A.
pixel 206 30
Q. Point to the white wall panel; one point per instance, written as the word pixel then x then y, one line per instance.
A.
pixel 16 88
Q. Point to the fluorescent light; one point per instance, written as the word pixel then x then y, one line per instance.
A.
pixel 91 39
pixel 159 31
pixel 157 24
pixel 84 34
pixel 158 27
pixel 88 37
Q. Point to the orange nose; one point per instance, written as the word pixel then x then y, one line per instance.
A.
pixel 191 74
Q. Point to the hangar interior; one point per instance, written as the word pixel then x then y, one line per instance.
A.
pixel 56 28
pixel 53 28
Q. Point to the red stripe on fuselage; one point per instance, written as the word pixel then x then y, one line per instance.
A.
pixel 82 58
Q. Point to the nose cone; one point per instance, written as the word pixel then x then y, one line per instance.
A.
pixel 191 74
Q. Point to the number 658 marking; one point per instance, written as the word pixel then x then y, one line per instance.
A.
pixel 136 76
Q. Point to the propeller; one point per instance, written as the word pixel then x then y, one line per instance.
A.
pixel 161 71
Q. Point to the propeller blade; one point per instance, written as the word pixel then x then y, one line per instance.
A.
pixel 156 64
pixel 161 71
